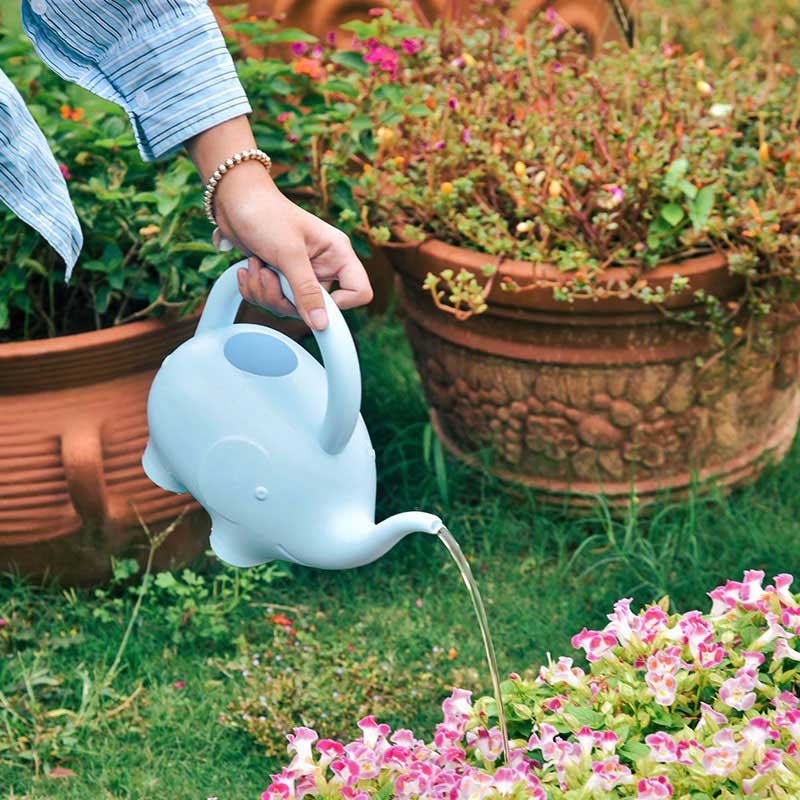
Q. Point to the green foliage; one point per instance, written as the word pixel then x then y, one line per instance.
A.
pixel 542 572
pixel 524 147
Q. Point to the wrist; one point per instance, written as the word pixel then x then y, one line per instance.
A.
pixel 212 147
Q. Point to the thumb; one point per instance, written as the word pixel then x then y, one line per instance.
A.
pixel 307 292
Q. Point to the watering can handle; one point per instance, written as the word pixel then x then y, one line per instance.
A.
pixel 335 343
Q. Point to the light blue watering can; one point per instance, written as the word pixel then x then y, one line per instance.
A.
pixel 269 442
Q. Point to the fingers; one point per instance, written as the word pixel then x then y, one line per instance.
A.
pixel 354 286
pixel 261 286
pixel 305 287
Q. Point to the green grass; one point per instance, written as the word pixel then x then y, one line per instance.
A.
pixel 543 574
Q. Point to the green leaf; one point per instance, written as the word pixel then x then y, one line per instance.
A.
pixel 418 111
pixel 585 716
pixel 689 189
pixel 339 87
pixel 293 35
pixel 673 214
pixel 701 207
pixel 360 124
pixel 677 169
pixel 364 30
pixel 4 316
pixel 634 750
pixel 352 61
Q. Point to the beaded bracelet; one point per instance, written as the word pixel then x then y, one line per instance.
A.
pixel 225 166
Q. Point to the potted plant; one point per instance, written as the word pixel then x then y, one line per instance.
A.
pixel 597 257
pixel 76 361
pixel 671 706
pixel 599 20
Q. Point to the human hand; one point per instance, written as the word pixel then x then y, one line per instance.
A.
pixel 256 217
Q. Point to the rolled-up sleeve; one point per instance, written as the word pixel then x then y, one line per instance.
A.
pixel 164 61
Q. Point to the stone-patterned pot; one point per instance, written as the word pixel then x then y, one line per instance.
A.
pixel 597 398
pixel 73 426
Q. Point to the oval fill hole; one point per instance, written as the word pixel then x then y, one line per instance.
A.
pixel 260 354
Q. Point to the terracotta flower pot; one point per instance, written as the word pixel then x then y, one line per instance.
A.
pixel 72 430
pixel 595 18
pixel 594 398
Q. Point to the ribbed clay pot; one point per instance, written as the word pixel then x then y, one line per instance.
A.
pixel 73 427
pixel 594 398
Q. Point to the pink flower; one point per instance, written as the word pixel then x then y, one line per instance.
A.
pixel 329 749
pixel 737 692
pixel 300 743
pixel 65 172
pixel 489 744
pixel 597 644
pixel 773 632
pixel 758 731
pixel 654 788
pixel 412 46
pixel 179 685
pixel 385 58
pixel 346 770
pixel 710 655
pixel 662 686
pixel 790 617
pixel 783 650
pixel 707 714
pixel 662 747
pixel 609 774
pixel 720 760
pixel 298 48
pixel 562 672
pixel 283 117
pixel 373 733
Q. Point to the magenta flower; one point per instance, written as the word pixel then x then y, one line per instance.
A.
pixel 65 172
pixel 385 58
pixel 597 644
pixel 654 788
pixel 298 48
pixel 412 45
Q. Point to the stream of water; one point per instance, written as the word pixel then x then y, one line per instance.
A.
pixel 466 573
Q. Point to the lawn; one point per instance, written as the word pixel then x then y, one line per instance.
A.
pixel 387 638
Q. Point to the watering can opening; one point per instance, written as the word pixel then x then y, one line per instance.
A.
pixel 260 354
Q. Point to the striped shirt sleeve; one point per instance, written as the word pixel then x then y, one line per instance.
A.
pixel 164 61
pixel 31 183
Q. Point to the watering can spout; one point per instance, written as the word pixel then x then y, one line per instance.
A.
pixel 385 535
pixel 352 549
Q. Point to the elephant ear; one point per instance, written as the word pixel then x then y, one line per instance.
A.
pixel 229 475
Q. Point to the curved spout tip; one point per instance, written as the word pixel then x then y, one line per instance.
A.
pixel 410 522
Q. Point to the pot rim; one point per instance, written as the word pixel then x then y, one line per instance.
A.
pixel 82 359
pixel 708 271
pixel 87 340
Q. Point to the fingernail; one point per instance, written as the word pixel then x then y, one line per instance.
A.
pixel 319 319
pixel 241 274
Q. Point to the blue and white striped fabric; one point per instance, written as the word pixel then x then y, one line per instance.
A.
pixel 164 61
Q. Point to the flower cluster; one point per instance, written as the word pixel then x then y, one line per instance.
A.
pixel 671 706
pixel 524 146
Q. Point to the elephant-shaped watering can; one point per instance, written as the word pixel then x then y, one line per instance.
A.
pixel 269 442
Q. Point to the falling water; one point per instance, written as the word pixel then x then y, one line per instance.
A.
pixel 466 573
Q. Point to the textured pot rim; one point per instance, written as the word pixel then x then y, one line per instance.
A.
pixel 88 340
pixel 703 271
pixel 82 359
